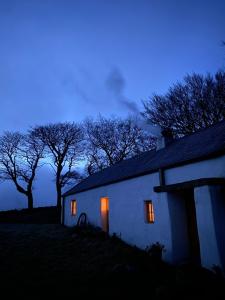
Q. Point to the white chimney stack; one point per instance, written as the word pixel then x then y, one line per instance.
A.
pixel 164 136
pixel 164 139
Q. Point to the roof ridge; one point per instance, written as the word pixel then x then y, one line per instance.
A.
pixel 200 130
pixel 205 143
pixel 122 161
pixel 109 167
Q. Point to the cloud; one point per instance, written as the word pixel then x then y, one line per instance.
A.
pixel 115 83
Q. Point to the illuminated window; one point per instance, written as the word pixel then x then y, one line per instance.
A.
pixel 105 213
pixel 73 207
pixel 149 211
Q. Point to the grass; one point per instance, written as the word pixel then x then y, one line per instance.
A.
pixel 39 260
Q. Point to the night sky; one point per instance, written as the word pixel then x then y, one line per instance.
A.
pixel 64 60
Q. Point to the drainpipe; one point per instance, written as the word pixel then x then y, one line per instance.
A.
pixel 164 140
pixel 161 177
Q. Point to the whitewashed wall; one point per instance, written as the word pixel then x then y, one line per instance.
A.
pixel 204 169
pixel 126 211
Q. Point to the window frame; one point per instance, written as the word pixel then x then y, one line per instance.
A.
pixel 149 212
pixel 73 207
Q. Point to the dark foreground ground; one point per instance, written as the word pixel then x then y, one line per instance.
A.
pixel 39 261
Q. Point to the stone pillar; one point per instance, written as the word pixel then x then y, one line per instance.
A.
pixel 165 232
pixel 209 204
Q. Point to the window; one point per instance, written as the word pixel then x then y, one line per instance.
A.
pixel 149 212
pixel 73 207
pixel 104 207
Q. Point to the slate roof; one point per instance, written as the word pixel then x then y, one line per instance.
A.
pixel 200 145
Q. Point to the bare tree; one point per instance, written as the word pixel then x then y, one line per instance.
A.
pixel 112 140
pixel 64 145
pixel 19 160
pixel 197 102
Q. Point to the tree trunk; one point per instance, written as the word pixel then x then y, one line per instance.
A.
pixel 59 194
pixel 58 186
pixel 30 201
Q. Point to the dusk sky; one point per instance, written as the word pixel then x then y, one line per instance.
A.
pixel 63 60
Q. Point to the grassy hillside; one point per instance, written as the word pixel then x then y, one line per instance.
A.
pixel 40 215
pixel 50 260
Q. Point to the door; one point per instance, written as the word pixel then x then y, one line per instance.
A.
pixel 104 209
pixel 194 247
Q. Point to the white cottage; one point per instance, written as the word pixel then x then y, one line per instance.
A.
pixel 174 195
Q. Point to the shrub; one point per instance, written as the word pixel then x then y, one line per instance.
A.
pixel 155 250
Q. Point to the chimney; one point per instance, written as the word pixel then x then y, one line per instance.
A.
pixel 165 138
